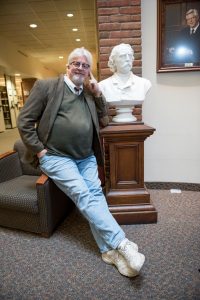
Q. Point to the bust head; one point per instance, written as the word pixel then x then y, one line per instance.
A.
pixel 121 59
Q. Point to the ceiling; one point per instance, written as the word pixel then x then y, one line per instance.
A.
pixel 54 36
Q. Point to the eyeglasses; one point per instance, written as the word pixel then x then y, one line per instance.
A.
pixel 77 64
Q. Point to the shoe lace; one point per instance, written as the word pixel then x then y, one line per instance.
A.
pixel 127 250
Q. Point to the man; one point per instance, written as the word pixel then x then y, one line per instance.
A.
pixel 187 47
pixel 59 123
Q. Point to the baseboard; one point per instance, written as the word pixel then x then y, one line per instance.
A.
pixel 173 185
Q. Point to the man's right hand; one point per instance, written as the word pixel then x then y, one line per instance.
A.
pixel 41 153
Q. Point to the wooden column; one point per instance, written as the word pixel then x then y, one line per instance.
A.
pixel 126 194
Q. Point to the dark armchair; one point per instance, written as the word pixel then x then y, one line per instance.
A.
pixel 29 200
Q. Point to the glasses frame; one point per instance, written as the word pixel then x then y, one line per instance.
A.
pixel 77 64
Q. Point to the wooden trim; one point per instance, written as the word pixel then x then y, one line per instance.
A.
pixel 42 179
pixel 6 154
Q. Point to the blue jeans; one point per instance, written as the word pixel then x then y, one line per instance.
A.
pixel 78 179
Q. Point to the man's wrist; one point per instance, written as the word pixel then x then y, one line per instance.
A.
pixel 41 153
pixel 99 95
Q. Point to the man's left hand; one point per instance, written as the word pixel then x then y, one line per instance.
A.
pixel 92 85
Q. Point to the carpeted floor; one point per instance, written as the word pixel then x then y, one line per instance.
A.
pixel 67 266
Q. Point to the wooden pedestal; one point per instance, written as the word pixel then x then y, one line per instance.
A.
pixel 126 194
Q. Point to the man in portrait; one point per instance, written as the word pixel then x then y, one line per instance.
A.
pixel 186 48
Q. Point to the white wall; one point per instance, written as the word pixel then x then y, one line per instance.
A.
pixel 172 107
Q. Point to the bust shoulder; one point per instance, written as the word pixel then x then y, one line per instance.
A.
pixel 142 82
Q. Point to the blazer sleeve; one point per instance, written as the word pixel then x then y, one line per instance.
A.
pixel 102 110
pixel 30 115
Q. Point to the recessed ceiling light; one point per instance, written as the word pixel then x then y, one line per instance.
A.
pixel 70 15
pixel 33 25
pixel 74 29
pixel 17 74
pixel 78 40
pixel 60 57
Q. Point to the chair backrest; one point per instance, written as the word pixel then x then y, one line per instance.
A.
pixel 14 170
pixel 27 168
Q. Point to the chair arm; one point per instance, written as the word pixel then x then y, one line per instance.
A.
pixel 10 166
pixel 53 204
pixel 42 179
pixel 6 154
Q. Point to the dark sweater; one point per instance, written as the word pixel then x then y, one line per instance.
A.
pixel 72 131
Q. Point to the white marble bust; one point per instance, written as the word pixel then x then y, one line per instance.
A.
pixel 123 88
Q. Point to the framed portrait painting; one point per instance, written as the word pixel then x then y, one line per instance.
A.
pixel 178 35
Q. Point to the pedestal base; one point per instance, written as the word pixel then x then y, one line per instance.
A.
pixel 126 194
pixel 131 207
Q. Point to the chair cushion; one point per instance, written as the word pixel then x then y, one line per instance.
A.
pixel 19 194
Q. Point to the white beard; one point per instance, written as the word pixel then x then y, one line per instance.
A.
pixel 78 79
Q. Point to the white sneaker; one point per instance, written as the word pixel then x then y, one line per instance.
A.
pixel 113 257
pixel 134 245
pixel 134 259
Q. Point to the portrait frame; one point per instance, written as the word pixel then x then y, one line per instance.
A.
pixel 170 22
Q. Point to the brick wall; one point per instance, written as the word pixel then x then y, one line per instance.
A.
pixel 118 21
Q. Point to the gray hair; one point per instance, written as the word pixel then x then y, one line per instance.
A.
pixel 115 52
pixel 193 11
pixel 80 52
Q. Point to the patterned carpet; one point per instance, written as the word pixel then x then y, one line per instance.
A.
pixel 67 266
